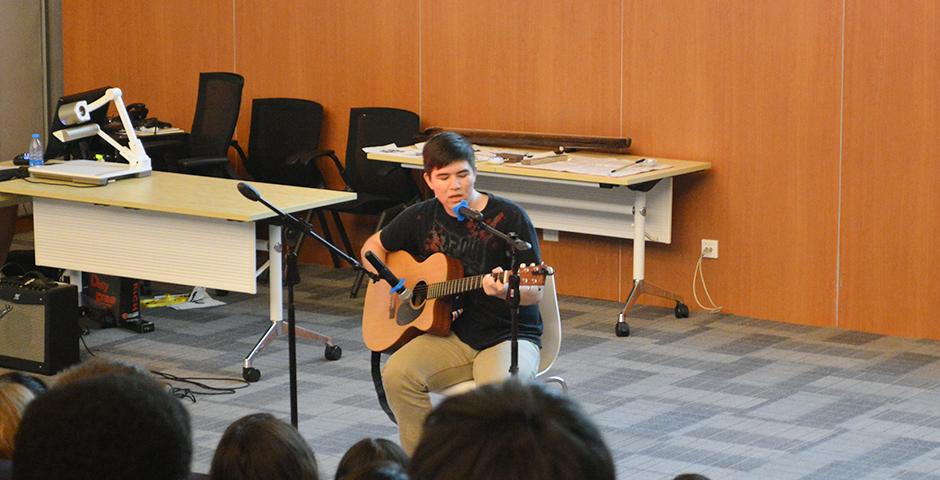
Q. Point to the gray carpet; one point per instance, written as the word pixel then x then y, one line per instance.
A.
pixel 722 395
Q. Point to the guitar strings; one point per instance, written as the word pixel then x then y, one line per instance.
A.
pixel 423 287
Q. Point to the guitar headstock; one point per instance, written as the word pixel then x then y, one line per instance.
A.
pixel 534 275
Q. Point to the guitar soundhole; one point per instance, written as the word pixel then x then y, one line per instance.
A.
pixel 412 310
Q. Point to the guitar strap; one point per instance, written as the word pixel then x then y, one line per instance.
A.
pixel 379 387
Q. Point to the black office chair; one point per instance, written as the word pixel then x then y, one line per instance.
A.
pixel 204 151
pixel 383 189
pixel 283 148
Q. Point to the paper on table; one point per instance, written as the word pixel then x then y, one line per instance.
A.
pixel 408 151
pixel 603 167
pixel 491 155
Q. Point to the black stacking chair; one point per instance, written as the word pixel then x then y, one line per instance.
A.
pixel 283 148
pixel 382 188
pixel 204 151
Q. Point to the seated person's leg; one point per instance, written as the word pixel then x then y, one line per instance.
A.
pixel 492 364
pixel 426 363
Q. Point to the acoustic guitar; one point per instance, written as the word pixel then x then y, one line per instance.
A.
pixel 389 322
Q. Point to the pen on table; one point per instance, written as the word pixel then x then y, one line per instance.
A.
pixel 627 165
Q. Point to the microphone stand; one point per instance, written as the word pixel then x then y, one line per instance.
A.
pixel 292 278
pixel 516 245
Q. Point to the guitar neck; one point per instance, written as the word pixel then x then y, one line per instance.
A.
pixel 453 287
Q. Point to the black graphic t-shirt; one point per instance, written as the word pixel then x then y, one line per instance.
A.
pixel 426 228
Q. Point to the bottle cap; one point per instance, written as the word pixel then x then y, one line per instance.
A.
pixel 35 135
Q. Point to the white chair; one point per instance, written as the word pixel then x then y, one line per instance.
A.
pixel 551 342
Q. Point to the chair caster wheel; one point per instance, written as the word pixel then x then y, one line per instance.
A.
pixel 333 352
pixel 682 310
pixel 623 329
pixel 251 374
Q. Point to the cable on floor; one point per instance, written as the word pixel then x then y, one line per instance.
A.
pixel 191 394
pixel 185 392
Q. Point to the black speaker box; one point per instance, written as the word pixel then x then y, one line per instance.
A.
pixel 38 325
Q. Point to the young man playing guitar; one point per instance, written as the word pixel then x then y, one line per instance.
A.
pixel 477 347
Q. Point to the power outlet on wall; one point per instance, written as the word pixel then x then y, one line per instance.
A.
pixel 709 248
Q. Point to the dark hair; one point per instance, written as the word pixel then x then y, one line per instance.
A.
pixel 511 430
pixel 380 470
pixel 261 446
pixel 111 426
pixel 369 450
pixel 690 476
pixel 95 367
pixel 446 148
pixel 34 384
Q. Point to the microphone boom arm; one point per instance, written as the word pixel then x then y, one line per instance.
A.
pixel 250 193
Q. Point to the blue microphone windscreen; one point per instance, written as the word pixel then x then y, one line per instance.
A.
pixel 456 209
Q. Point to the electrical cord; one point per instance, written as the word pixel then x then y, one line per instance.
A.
pixel 190 394
pixel 185 392
pixel 714 308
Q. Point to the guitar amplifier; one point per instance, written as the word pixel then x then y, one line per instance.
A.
pixel 38 325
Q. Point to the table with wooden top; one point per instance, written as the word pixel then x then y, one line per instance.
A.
pixel 166 227
pixel 635 206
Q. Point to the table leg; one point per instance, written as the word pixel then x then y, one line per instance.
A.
pixel 278 326
pixel 75 278
pixel 640 286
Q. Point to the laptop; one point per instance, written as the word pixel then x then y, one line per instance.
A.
pixel 87 172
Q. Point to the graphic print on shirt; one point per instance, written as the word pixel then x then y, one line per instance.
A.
pixel 469 247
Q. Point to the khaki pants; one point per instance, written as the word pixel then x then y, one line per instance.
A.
pixel 432 363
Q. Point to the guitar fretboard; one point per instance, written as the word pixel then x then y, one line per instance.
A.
pixel 453 287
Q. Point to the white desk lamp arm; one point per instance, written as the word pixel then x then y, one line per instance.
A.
pixel 134 152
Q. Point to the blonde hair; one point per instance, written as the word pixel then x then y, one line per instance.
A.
pixel 13 400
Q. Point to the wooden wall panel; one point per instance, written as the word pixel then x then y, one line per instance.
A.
pixel 753 87
pixel 890 219
pixel 530 66
pixel 153 51
pixel 527 65
pixel 586 265
pixel 340 54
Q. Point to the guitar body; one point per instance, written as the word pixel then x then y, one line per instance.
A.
pixel 387 322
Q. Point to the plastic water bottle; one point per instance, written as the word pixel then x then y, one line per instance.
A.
pixel 35 152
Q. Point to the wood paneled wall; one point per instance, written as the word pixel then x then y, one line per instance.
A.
pixel 817 116
pixel 890 219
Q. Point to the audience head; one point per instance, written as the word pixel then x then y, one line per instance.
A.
pixel 511 430
pixel 111 426
pixel 14 397
pixel 97 366
pixel 369 450
pixel 446 148
pixel 380 470
pixel 261 446
pixel 690 476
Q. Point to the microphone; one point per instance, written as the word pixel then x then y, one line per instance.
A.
pixel 248 192
pixel 463 210
pixel 398 285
